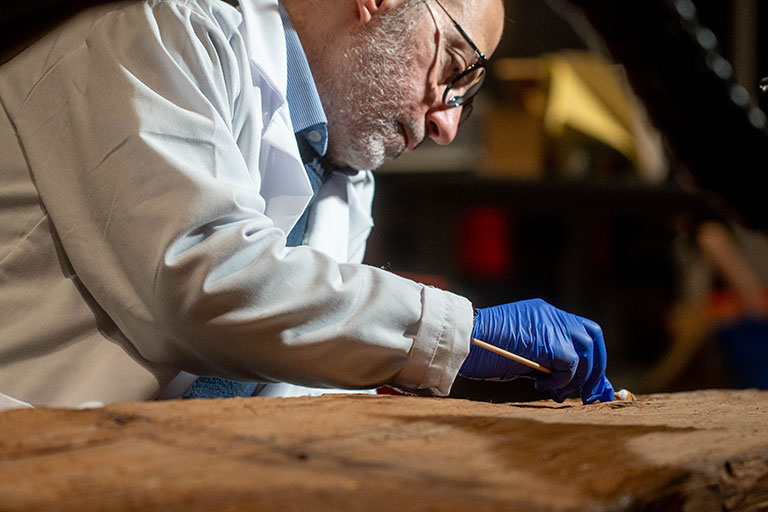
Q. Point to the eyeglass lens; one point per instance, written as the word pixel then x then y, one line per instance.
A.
pixel 464 87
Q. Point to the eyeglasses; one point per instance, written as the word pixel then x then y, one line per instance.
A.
pixel 461 89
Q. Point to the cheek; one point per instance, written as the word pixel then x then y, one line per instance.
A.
pixel 418 82
pixel 428 66
pixel 421 61
pixel 427 70
pixel 407 87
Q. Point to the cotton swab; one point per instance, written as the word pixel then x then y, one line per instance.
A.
pixel 510 355
pixel 622 394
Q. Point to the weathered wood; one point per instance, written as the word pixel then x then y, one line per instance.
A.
pixel 698 451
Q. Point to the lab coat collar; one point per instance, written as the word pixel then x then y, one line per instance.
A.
pixel 284 182
pixel 264 37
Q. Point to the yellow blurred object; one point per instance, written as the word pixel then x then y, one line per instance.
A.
pixel 563 113
pixel 586 96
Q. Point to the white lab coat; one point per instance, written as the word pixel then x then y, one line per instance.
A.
pixel 148 175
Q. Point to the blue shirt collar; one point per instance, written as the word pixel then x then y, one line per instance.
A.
pixel 306 110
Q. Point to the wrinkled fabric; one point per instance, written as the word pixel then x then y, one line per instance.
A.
pixel 148 178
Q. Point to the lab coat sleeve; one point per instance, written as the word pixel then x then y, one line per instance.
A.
pixel 136 140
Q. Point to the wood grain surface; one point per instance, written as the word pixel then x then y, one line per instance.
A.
pixel 698 451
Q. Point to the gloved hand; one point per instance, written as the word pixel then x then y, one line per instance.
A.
pixel 571 346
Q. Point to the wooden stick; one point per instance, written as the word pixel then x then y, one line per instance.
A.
pixel 622 394
pixel 510 355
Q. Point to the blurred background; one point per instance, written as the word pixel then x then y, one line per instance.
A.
pixel 611 167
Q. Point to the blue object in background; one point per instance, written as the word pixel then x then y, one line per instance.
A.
pixel 744 344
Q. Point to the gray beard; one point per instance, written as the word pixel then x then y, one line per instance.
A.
pixel 366 94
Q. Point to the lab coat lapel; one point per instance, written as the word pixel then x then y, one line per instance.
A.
pixel 340 218
pixel 360 188
pixel 328 225
pixel 284 182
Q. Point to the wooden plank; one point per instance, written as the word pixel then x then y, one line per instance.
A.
pixel 705 450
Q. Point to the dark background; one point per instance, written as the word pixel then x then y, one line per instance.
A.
pixel 605 247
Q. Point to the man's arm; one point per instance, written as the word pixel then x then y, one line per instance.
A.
pixel 145 143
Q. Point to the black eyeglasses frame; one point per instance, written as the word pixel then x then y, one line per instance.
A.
pixel 465 100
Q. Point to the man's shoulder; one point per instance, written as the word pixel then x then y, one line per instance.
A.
pixel 159 14
pixel 220 13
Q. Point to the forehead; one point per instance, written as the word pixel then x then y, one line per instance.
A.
pixel 482 20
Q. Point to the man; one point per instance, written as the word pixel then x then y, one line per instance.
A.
pixel 155 191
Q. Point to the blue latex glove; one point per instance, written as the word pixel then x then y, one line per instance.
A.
pixel 571 346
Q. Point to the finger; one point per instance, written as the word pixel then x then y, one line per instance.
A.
pixel 596 385
pixel 565 362
pixel 583 345
pixel 603 392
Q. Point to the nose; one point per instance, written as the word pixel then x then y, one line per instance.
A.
pixel 443 123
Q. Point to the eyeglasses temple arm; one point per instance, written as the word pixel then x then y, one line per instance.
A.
pixel 461 31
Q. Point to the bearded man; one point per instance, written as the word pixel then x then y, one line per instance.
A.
pixel 184 193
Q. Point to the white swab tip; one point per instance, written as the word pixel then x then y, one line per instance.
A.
pixel 624 394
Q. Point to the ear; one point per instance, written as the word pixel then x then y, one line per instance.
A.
pixel 368 9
